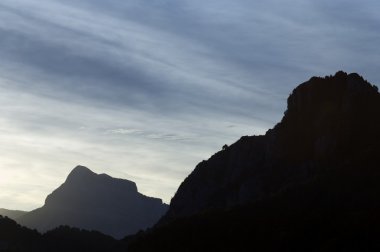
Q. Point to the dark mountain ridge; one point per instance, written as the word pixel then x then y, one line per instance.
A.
pixel 96 202
pixel 330 123
pixel 14 237
pixel 308 184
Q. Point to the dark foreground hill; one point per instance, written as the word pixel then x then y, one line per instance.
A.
pixel 13 237
pixel 96 202
pixel 308 184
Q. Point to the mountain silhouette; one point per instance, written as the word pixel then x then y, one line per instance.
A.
pixel 308 184
pixel 96 202
pixel 14 237
pixel 12 214
pixel 330 122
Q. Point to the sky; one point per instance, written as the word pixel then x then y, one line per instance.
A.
pixel 146 89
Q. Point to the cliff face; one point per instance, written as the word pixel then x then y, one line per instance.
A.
pixel 331 125
pixel 96 202
pixel 327 117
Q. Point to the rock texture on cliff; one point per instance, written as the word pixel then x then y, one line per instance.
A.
pixel 331 124
pixel 96 202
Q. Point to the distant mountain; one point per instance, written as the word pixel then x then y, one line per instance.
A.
pixel 96 202
pixel 309 184
pixel 13 214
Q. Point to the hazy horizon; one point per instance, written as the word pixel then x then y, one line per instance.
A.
pixel 144 90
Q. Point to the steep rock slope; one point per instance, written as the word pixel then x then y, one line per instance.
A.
pixel 96 202
pixel 331 126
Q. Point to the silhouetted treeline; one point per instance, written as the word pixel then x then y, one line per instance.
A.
pixel 14 237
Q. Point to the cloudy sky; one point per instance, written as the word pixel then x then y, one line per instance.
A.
pixel 146 89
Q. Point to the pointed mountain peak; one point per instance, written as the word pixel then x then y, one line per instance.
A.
pixel 82 178
pixel 96 202
pixel 80 172
pixel 82 185
pixel 82 169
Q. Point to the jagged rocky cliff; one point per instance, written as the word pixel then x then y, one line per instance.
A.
pixel 96 202
pixel 331 125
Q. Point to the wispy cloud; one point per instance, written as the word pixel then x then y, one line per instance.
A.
pixel 122 131
pixel 146 89
pixel 153 135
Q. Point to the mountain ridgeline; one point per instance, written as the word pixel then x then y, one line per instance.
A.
pixel 330 123
pixel 96 202
pixel 308 184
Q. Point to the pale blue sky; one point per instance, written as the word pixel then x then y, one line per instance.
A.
pixel 146 89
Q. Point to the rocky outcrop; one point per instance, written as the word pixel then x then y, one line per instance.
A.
pixel 331 124
pixel 96 202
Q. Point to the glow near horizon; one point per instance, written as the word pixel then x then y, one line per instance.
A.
pixel 145 90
